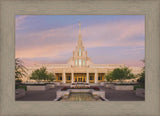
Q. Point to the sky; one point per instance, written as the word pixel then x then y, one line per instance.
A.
pixel 108 39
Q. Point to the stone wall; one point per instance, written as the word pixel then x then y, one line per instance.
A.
pixel 100 93
pixel 109 85
pixel 49 86
pixel 123 87
pixel 36 88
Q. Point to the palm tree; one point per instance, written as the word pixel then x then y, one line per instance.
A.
pixel 20 69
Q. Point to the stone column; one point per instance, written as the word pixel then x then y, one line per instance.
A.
pixel 64 77
pixel 72 77
pixel 96 77
pixel 87 77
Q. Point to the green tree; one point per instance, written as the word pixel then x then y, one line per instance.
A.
pixel 120 74
pixel 42 74
pixel 141 80
pixel 20 69
pixel 50 77
pixel 109 77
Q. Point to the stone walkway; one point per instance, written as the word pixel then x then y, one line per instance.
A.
pixel 50 95
pixel 119 95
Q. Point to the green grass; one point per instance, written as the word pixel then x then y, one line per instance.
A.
pixel 138 86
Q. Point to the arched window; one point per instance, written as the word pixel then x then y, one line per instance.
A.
pixel 79 51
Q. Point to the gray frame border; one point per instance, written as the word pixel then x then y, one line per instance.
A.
pixel 149 8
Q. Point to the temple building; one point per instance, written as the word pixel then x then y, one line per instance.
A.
pixel 80 68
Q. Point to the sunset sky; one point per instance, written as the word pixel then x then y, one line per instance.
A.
pixel 108 39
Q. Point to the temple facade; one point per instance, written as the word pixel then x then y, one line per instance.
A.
pixel 80 68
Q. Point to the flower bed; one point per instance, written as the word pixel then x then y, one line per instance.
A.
pixel 64 88
pixel 95 88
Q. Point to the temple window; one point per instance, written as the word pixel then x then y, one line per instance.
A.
pixel 59 78
pixel 100 78
pixel 76 62
pixel 83 62
pixel 79 62
pixel 68 78
pixel 91 78
pixel 79 51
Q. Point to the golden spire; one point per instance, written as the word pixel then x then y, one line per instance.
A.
pixel 80 36
pixel 80 30
pixel 79 26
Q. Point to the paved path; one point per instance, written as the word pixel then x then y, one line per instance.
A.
pixel 119 95
pixel 50 95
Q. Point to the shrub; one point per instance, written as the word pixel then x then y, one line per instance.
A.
pixel 141 80
pixel 21 87
pixel 138 86
pixel 18 81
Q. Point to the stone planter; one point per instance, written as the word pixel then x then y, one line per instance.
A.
pixel 140 92
pixel 82 85
pixel 50 86
pixel 123 87
pixel 58 83
pixel 87 85
pixel 20 93
pixel 36 88
pixel 109 85
pixel 80 90
pixel 73 86
pixel 102 83
pixel 94 84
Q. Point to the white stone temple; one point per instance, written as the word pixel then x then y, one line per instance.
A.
pixel 80 68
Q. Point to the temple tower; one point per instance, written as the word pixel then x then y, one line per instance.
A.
pixel 80 57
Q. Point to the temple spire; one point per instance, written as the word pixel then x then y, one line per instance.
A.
pixel 79 27
pixel 80 36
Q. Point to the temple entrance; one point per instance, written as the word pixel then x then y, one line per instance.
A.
pixel 80 77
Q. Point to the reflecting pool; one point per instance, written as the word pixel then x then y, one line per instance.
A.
pixel 81 97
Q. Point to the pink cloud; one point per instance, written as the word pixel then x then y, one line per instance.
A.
pixel 44 51
pixel 136 63
pixel 54 43
pixel 114 34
